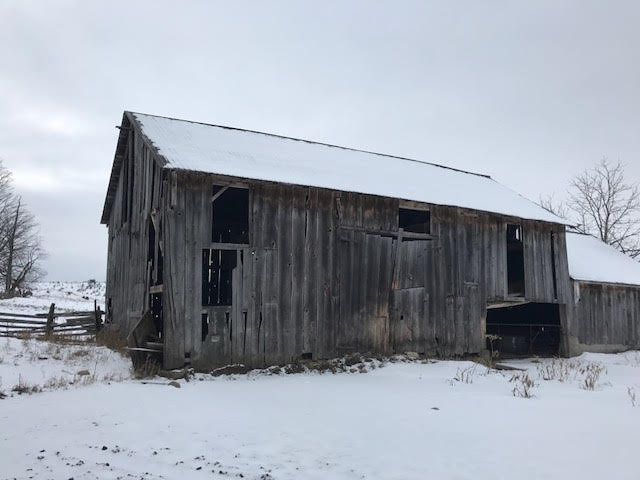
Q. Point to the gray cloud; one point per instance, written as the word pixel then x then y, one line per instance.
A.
pixel 527 92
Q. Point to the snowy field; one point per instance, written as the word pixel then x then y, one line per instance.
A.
pixel 397 420
pixel 67 296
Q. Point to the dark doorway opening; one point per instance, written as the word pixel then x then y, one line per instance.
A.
pixel 515 261
pixel 230 215
pixel 525 329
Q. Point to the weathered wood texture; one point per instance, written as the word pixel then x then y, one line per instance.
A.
pixel 319 278
pixel 606 317
pixel 137 205
pixel 325 272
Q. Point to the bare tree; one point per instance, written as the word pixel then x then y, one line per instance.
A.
pixel 606 205
pixel 24 251
pixel 20 244
pixel 602 203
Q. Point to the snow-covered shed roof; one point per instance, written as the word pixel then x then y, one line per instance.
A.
pixel 592 260
pixel 254 155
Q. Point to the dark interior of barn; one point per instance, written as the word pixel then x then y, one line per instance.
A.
pixel 230 215
pixel 524 329
pixel 515 261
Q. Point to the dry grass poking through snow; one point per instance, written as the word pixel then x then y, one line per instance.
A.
pixel 563 370
pixel 32 365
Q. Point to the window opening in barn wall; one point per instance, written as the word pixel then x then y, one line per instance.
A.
pixel 414 221
pixel 553 266
pixel 525 329
pixel 217 275
pixel 230 215
pixel 515 260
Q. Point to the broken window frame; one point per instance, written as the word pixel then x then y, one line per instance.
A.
pixel 217 276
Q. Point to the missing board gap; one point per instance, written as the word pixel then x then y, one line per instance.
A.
pixel 205 327
pixel 217 277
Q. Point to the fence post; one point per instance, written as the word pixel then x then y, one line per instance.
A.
pixel 98 315
pixel 50 317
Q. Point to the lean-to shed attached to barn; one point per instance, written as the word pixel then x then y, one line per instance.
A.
pixel 252 248
pixel 606 294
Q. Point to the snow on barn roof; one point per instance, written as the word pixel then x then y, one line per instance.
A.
pixel 592 260
pixel 254 155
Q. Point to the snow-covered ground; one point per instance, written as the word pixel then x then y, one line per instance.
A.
pixel 67 296
pixel 398 420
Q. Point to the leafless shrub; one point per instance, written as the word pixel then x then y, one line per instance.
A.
pixel 56 383
pixel 565 370
pixel 592 372
pixel 23 387
pixel 148 368
pixel 557 369
pixel 523 385
pixel 465 375
pixel 631 391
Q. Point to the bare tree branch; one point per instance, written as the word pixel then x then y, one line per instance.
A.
pixel 20 244
pixel 607 206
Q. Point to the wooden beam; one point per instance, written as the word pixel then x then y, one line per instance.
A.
pixel 401 234
pixel 218 193
pixel 228 246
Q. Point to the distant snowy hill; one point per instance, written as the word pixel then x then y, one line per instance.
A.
pixel 67 296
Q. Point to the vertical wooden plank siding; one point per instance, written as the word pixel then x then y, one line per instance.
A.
pixel 324 273
pixel 606 317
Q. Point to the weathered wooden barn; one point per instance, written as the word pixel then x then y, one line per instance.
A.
pixel 259 249
pixel 606 286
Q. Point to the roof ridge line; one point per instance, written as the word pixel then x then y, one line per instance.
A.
pixel 316 143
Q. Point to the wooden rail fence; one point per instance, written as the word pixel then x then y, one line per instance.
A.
pixel 77 323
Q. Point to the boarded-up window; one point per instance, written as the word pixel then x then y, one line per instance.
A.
pixel 416 221
pixel 230 215
pixel 217 274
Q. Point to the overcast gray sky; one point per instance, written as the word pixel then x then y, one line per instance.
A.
pixel 528 92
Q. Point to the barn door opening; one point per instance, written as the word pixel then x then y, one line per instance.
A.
pixel 515 261
pixel 525 329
